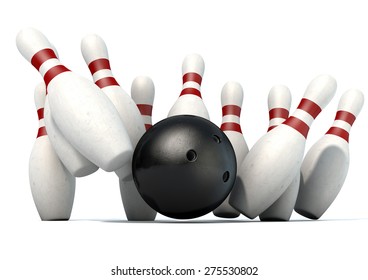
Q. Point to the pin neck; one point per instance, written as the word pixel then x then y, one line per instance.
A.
pixel 278 113
pixel 53 72
pixel 41 56
pixel 276 117
pixel 343 133
pixel 145 109
pixel 106 82
pixel 310 107
pixel 231 126
pixel 148 126
pixel 192 77
pixel 99 64
pixel 345 116
pixel 337 131
pixel 189 88
pixel 231 110
pixel 298 125
pixel 40 113
pixel 41 130
pixel 192 91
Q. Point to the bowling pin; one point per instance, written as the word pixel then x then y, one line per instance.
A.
pixel 83 114
pixel 271 164
pixel 76 164
pixel 136 209
pixel 73 160
pixel 143 94
pixel 52 185
pixel 279 101
pixel 95 54
pixel 231 101
pixel 326 164
pixel 190 100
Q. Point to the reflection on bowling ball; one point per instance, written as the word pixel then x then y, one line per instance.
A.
pixel 184 167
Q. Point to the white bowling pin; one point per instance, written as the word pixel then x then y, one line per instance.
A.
pixel 326 164
pixel 136 209
pixel 231 102
pixel 143 94
pixel 190 100
pixel 95 54
pixel 73 160
pixel 84 115
pixel 273 161
pixel 52 185
pixel 279 101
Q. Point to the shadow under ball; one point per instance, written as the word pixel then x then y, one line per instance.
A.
pixel 184 167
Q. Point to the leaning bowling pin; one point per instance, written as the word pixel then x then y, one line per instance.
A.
pixel 95 54
pixel 52 185
pixel 276 157
pixel 190 100
pixel 231 101
pixel 136 209
pixel 73 160
pixel 143 94
pixel 76 164
pixel 326 164
pixel 84 115
pixel 279 101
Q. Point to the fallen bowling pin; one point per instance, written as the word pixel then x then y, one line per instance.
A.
pixel 273 161
pixel 326 164
pixel 52 185
pixel 279 101
pixel 231 101
pixel 84 115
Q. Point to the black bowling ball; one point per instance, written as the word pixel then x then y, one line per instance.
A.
pixel 184 167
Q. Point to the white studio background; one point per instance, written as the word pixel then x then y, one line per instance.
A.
pixel 257 43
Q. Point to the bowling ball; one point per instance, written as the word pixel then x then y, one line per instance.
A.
pixel 184 167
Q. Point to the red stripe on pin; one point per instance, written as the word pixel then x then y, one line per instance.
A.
pixel 231 110
pixel 41 132
pixel 99 64
pixel 53 72
pixel 278 113
pixel 145 109
pixel 345 116
pixel 148 126
pixel 271 127
pixel 298 125
pixel 193 91
pixel 339 132
pixel 231 126
pixel 40 113
pixel 40 57
pixel 310 107
pixel 192 77
pixel 105 82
